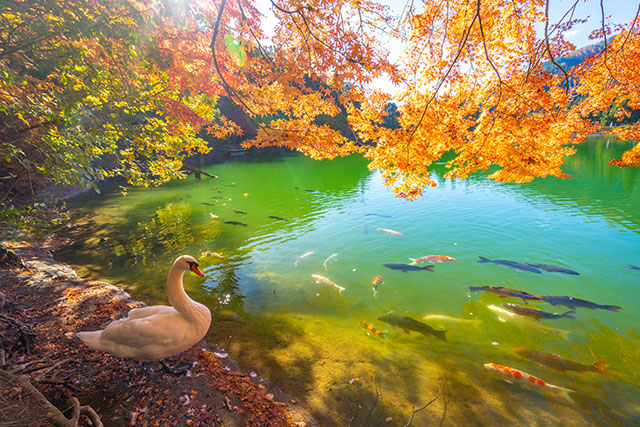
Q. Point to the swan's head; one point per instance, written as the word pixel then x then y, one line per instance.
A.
pixel 187 262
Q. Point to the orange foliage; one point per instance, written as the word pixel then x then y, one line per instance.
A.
pixel 478 79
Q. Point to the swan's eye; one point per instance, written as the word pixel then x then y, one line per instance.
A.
pixel 193 264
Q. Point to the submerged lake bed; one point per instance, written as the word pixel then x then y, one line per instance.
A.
pixel 266 226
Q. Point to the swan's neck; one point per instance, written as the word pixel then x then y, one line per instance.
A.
pixel 178 298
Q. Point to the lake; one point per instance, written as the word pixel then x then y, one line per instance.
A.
pixel 271 314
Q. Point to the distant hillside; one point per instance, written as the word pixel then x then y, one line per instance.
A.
pixel 576 57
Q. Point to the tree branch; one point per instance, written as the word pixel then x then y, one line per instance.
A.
pixel 415 411
pixel 546 39
pixel 606 47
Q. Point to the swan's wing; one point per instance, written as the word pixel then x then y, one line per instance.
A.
pixel 138 313
pixel 159 329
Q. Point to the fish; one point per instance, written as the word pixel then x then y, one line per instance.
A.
pixel 535 313
pixel 332 257
pixel 441 319
pixel 377 281
pixel 431 258
pixel 507 316
pixel 377 214
pixel 632 267
pixel 512 375
pixel 408 324
pixel 553 268
pixel 311 191
pixel 322 279
pixel 406 267
pixel 506 292
pixel 235 223
pixel 511 264
pixel 208 204
pixel 559 363
pixel 278 218
pixel 395 233
pixel 370 329
pixel 216 197
pixel 213 216
pixel 572 302
pixel 302 257
pixel 240 212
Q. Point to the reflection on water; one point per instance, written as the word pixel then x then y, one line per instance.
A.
pixel 271 314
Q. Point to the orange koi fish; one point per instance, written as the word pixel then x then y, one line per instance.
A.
pixel 377 281
pixel 395 233
pixel 512 375
pixel 370 329
pixel 431 258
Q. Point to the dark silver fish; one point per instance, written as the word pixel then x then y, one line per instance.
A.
pixel 406 267
pixel 377 214
pixel 510 264
pixel 235 223
pixel 208 204
pixel 505 292
pixel 535 313
pixel 278 218
pixel 633 267
pixel 408 324
pixel 553 268
pixel 240 212
pixel 572 302
pixel 561 364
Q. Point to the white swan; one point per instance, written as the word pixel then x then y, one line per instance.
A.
pixel 159 331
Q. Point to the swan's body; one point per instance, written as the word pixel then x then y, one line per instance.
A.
pixel 159 331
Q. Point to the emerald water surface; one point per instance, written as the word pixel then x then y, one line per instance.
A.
pixel 270 314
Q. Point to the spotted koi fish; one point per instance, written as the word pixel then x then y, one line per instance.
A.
pixel 512 375
pixel 377 281
pixel 431 258
pixel 370 329
pixel 322 279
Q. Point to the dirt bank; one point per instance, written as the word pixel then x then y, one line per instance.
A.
pixel 46 303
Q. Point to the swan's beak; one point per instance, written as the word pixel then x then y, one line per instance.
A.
pixel 196 270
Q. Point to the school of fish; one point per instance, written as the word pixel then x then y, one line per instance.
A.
pixel 510 311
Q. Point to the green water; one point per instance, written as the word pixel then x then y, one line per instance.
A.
pixel 271 315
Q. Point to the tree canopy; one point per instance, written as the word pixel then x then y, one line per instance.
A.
pixel 97 88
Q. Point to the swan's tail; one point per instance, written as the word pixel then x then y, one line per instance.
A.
pixel 91 339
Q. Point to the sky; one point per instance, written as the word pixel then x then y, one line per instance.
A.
pixel 615 11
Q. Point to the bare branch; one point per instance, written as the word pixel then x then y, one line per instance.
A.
pixel 606 47
pixel 546 38
pixel 415 411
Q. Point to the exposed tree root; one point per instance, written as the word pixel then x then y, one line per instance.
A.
pixel 26 335
pixel 51 413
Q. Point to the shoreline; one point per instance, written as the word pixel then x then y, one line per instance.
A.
pixel 55 303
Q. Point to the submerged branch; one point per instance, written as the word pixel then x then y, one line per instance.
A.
pixel 415 411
